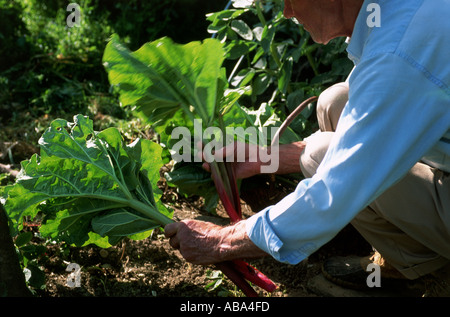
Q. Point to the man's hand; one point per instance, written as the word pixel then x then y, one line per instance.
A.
pixel 206 243
pixel 246 158
pixel 243 156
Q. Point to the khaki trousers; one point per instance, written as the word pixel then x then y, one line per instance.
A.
pixel 409 224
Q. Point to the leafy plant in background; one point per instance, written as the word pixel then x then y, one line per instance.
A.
pixel 274 56
pixel 49 70
pixel 262 59
pixel 59 69
pixel 30 255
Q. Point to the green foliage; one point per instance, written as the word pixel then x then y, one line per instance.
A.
pixel 217 284
pixel 60 72
pixel 29 256
pixel 49 70
pixel 83 43
pixel 170 85
pixel 88 182
pixel 266 54
pixel 192 180
pixel 162 78
pixel 14 47
pixel 276 58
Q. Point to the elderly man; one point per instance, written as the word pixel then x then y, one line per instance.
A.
pixel 381 159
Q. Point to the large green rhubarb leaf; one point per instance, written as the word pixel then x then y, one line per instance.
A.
pixel 87 182
pixel 163 77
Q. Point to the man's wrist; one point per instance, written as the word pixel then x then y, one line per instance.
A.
pixel 287 156
pixel 238 245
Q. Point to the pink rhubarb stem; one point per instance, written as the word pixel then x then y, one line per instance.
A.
pixel 237 271
pixel 234 189
pixel 223 195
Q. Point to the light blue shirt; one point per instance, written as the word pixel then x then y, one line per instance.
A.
pixel 398 114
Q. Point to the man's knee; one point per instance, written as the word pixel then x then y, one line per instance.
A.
pixel 314 152
pixel 329 108
pixel 330 105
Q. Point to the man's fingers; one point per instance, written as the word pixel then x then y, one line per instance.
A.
pixel 171 229
pixel 174 242
pixel 227 152
pixel 219 154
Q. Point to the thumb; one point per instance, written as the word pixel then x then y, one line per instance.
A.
pixel 170 229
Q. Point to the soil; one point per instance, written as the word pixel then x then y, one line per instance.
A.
pixel 151 268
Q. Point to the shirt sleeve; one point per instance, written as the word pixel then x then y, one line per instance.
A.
pixel 395 114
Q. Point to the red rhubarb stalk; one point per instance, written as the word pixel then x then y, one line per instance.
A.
pixel 234 189
pixel 236 270
pixel 228 204
pixel 253 275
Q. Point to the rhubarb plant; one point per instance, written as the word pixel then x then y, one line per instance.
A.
pixel 89 186
pixel 169 84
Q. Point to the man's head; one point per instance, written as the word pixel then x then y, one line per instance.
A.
pixel 324 19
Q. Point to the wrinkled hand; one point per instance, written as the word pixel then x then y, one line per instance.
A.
pixel 205 243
